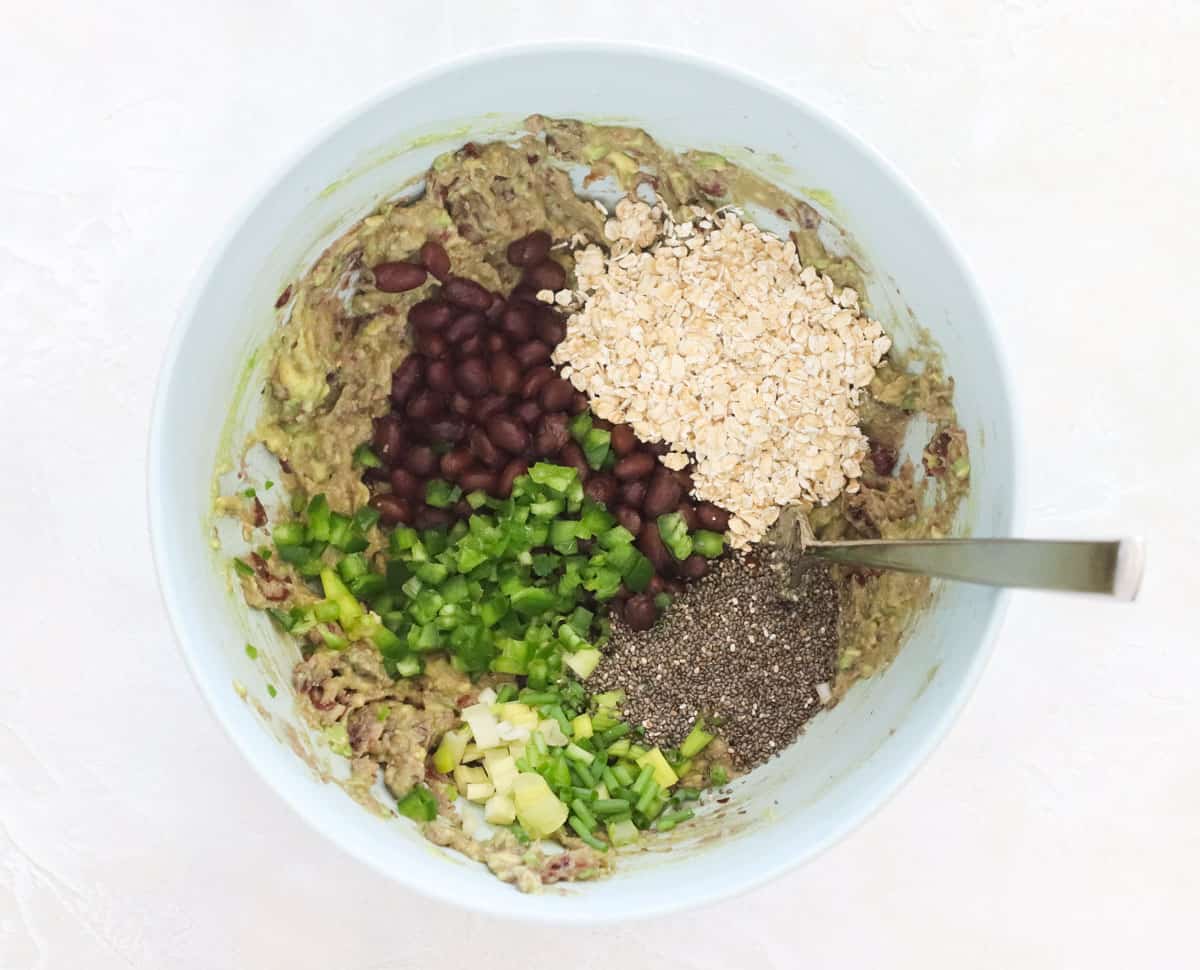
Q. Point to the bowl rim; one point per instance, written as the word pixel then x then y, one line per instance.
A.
pixel 899 770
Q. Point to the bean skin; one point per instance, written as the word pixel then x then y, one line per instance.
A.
pixel 638 465
pixel 405 484
pixel 529 249
pixel 555 395
pixel 662 495
pixel 572 455
pixel 712 517
pixel 601 488
pixel 434 258
pixel 466 293
pixel 392 509
pixel 447 430
pixel 552 434
pixel 630 518
pixel 430 315
pixel 424 406
pixel 428 517
pixel 432 345
pixel 551 328
pixel 529 412
pixel 546 275
pixel 505 373
pixel 439 376
pixel 407 378
pixel 398 277
pixel 640 612
pixel 690 518
pixel 633 493
pixel 512 471
pixel 649 541
pixel 388 439
pixel 472 377
pixel 464 327
pixel 454 463
pixel 471 347
pixel 623 441
pixel 483 449
pixel 508 433
pixel 535 380
pixel 486 407
pixel 420 460
pixel 532 353
pixel 516 323
pixel 477 480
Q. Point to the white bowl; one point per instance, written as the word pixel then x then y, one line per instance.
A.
pixel 851 758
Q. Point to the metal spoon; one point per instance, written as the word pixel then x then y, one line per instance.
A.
pixel 1112 568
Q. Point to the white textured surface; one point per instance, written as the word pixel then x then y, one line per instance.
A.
pixel 1057 825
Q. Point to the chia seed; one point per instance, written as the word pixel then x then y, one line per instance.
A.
pixel 739 648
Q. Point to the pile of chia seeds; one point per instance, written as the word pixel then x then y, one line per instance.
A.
pixel 739 648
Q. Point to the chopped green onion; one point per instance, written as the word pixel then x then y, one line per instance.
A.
pixel 609 806
pixel 271 690
pixel 243 568
pixel 251 651
pixel 718 775
pixel 696 741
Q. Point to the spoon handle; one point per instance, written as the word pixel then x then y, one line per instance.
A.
pixel 1113 568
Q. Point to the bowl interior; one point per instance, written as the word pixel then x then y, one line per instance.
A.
pixel 852 757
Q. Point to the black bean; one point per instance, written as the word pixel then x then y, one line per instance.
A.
pixel 483 449
pixel 638 465
pixel 420 460
pixel 640 612
pixel 532 353
pixel 406 484
pixel 546 275
pixel 517 323
pixel 601 488
pixel 464 326
pixel 552 434
pixel 407 377
pixel 430 314
pixel 508 433
pixel 388 439
pixel 424 406
pixel 529 249
pixel 556 395
pixel 472 377
pixel 505 373
pixel 512 471
pixel 454 463
pixel 434 258
pixel 397 277
pixel 392 509
pixel 466 293
pixel 711 517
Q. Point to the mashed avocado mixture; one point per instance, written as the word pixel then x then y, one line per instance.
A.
pixel 448 655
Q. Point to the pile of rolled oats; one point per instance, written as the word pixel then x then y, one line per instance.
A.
pixel 710 335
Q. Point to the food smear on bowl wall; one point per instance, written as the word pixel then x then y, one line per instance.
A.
pixel 545 460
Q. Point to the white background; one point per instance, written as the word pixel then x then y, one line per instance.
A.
pixel 1058 826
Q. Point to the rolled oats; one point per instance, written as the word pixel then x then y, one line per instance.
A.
pixel 711 336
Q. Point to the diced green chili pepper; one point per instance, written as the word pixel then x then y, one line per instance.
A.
pixel 419 804
pixel 595 446
pixel 708 544
pixel 364 457
pixel 441 494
